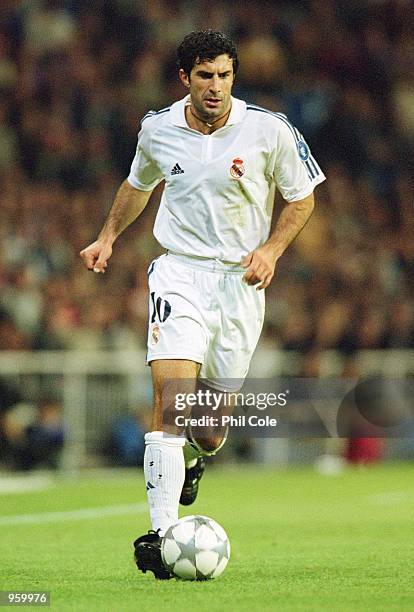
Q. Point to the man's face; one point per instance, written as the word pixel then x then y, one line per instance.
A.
pixel 210 84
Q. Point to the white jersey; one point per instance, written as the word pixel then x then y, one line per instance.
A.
pixel 218 196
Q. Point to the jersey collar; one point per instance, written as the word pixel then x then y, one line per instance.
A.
pixel 177 113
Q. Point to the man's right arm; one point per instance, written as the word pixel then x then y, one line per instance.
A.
pixel 128 205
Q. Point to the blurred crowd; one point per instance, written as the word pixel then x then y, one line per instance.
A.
pixel 75 79
pixel 31 435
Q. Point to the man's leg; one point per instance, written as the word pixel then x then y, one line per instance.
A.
pixel 201 442
pixel 164 467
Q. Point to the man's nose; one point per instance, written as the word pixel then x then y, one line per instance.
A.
pixel 215 84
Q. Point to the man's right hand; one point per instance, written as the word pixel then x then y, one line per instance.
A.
pixel 96 255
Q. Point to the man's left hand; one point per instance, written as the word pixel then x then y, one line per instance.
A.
pixel 260 265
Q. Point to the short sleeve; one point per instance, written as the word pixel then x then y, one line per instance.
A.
pixel 145 173
pixel 295 171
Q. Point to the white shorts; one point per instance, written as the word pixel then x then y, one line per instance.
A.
pixel 201 310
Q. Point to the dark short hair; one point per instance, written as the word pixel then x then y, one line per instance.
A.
pixel 205 45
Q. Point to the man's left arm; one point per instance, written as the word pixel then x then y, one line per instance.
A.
pixel 261 262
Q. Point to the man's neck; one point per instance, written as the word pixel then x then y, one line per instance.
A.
pixel 206 127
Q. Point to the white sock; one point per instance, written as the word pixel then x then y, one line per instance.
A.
pixel 164 472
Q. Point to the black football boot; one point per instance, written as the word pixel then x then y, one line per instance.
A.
pixel 148 555
pixel 193 476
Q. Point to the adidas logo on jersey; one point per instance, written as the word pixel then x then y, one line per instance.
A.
pixel 177 169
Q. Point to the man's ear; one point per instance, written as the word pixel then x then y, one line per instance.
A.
pixel 184 78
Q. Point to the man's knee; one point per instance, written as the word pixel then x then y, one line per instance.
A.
pixel 210 444
pixel 207 444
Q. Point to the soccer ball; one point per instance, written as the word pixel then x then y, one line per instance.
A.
pixel 195 548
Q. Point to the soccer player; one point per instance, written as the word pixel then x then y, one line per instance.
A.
pixel 221 160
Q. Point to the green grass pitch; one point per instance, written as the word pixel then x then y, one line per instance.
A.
pixel 300 541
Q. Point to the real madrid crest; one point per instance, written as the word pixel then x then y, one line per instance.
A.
pixel 237 169
pixel 155 334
